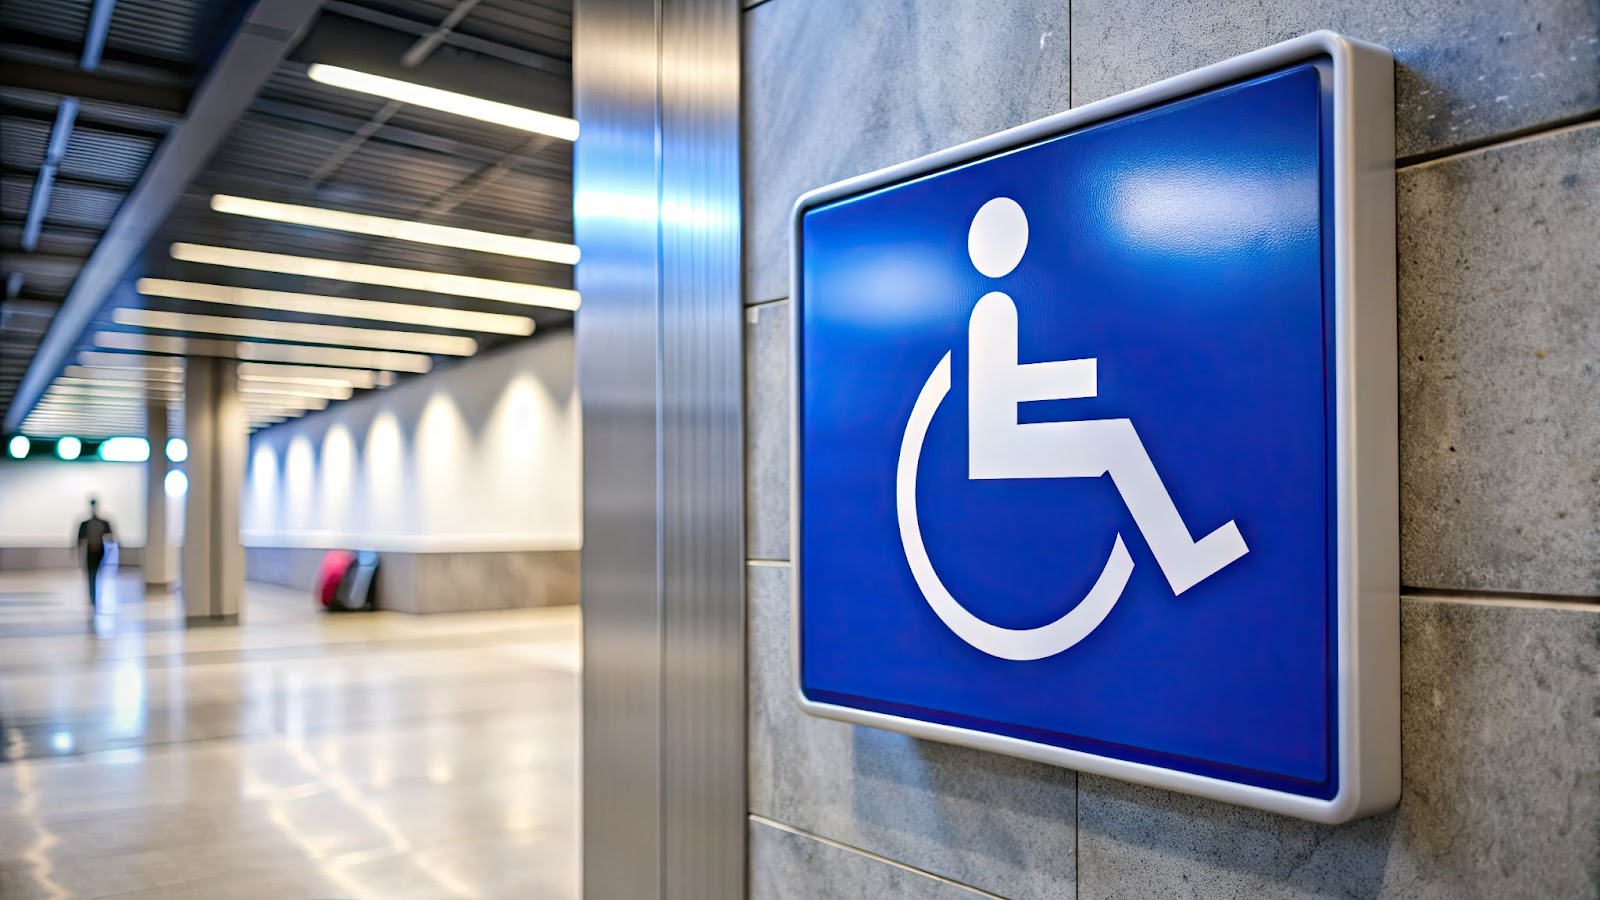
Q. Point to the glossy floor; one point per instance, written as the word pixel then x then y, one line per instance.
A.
pixel 297 755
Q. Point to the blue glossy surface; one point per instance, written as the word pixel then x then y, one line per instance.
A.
pixel 1185 249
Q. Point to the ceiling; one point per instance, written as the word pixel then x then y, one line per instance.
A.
pixel 292 141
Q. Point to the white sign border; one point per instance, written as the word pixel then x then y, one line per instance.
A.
pixel 1366 422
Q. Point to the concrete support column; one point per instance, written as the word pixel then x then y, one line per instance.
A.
pixel 158 569
pixel 215 429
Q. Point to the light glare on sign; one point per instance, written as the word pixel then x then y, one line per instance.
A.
pixel 1075 472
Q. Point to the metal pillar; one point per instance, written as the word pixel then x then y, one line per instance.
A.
pixel 157 564
pixel 656 87
pixel 215 429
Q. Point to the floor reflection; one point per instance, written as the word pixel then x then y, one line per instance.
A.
pixel 298 755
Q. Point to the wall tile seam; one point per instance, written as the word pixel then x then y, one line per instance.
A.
pixel 753 305
pixel 838 845
pixel 1505 600
pixel 1501 141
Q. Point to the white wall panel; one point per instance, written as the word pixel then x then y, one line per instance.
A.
pixel 42 500
pixel 482 456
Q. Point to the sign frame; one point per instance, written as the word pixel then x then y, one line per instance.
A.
pixel 1366 425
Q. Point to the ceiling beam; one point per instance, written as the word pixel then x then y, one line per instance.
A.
pixel 83 181
pixel 527 58
pixel 65 81
pixel 262 40
pixel 44 117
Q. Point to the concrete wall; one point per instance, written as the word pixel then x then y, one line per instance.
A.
pixel 440 581
pixel 1499 215
pixel 466 481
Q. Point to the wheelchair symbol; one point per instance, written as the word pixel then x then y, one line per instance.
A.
pixel 1000 447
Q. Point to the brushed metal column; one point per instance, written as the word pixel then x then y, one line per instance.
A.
pixel 215 428
pixel 660 371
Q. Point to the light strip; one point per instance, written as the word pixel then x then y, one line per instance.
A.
pixel 299 354
pixel 117 401
pixel 387 276
pixel 285 403
pixel 113 425
pixel 447 101
pixel 138 386
pixel 62 404
pixel 88 422
pixel 317 305
pixel 278 389
pixel 123 375
pixel 398 229
pixel 375 338
pixel 125 449
pixel 88 413
pixel 132 398
pixel 359 378
pixel 101 360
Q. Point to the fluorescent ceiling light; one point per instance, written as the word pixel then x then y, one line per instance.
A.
pixel 398 229
pixel 331 392
pixel 387 276
pixel 130 402
pixel 120 402
pixel 345 307
pixel 447 101
pixel 130 388
pixel 412 341
pixel 132 424
pixel 176 483
pixel 69 448
pixel 299 354
pixel 125 449
pixel 160 343
pixel 359 378
pixel 135 361
pixel 177 449
pixel 82 377
pixel 86 411
pixel 19 447
pixel 122 375
pixel 275 404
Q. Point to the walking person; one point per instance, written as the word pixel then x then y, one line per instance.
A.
pixel 93 533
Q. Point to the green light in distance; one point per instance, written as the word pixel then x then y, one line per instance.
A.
pixel 19 447
pixel 177 449
pixel 125 449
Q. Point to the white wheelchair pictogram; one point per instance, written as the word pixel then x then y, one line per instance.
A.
pixel 999 447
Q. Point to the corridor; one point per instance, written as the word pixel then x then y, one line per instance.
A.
pixel 301 754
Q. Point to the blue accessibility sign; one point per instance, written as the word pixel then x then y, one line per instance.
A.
pixel 1074 476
